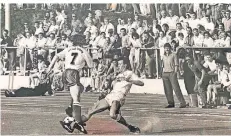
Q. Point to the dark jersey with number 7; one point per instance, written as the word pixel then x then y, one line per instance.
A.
pixel 75 58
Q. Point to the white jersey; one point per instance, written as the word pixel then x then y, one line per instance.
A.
pixel 122 88
pixel 75 58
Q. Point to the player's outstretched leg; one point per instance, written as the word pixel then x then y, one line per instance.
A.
pixel 99 106
pixel 116 115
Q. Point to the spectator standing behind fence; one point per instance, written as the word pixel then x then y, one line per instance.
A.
pixel 51 45
pixel 107 26
pixel 53 28
pixel 169 76
pixel 7 41
pixel 92 29
pixel 227 21
pixel 20 43
pixel 40 44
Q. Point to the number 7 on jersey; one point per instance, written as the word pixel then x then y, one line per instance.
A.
pixel 74 57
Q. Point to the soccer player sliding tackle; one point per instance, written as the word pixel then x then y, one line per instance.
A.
pixel 75 59
pixel 116 98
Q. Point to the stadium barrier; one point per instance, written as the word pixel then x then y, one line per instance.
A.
pixel 57 49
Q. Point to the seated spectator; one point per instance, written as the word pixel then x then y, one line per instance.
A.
pixel 208 41
pixel 179 29
pixel 224 39
pixel 66 30
pixel 106 26
pixel 216 85
pixel 89 20
pixel 189 41
pixel 76 25
pixel 65 42
pixel 210 64
pixel 181 39
pixel 216 40
pixel 53 28
pixel 92 29
pixel 37 28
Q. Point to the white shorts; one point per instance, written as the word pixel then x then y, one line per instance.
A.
pixel 115 97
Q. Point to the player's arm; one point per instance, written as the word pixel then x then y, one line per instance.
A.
pixel 134 80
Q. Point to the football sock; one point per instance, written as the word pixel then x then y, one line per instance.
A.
pixel 122 121
pixel 77 112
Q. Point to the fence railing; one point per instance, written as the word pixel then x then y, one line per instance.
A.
pixel 157 57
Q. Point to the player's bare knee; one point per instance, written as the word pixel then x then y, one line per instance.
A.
pixel 113 116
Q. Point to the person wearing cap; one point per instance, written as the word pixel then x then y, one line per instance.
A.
pixel 169 77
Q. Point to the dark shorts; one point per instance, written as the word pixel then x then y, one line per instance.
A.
pixel 71 77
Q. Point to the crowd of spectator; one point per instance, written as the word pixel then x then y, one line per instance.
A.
pixel 149 26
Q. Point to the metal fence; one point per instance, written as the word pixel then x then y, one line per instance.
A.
pixel 157 57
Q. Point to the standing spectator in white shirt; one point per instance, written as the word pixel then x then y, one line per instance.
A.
pixel 128 26
pixel 227 21
pixel 164 19
pixel 36 26
pixel 59 18
pixel 203 19
pixel 173 20
pixel 194 21
pixel 30 43
pixel 162 40
pixel 107 25
pixel 135 24
pixel 209 26
pixel 140 28
pixel 40 44
pixel 208 41
pixel 155 25
pixel 134 56
pixel 88 20
pixel 51 45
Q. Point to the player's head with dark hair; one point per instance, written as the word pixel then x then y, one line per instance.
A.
pixel 167 48
pixel 135 36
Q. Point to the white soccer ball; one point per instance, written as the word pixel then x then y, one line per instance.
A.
pixel 68 120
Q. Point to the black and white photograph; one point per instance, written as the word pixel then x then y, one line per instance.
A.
pixel 115 68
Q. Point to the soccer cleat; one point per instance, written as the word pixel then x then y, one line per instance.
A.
pixel 80 127
pixel 69 111
pixel 66 126
pixel 133 129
